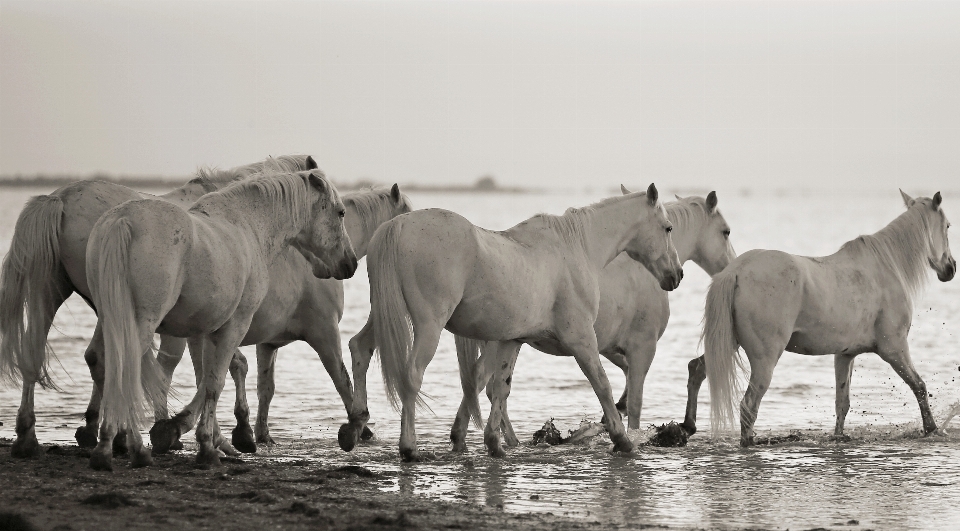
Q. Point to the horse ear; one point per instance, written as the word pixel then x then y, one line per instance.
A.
pixel 937 200
pixel 652 194
pixel 678 197
pixel 711 202
pixel 316 182
pixel 395 193
pixel 907 200
pixel 311 164
pixel 624 191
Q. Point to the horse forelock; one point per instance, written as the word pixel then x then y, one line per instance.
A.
pixel 685 214
pixel 903 247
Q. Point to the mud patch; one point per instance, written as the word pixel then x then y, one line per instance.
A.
pixel 110 500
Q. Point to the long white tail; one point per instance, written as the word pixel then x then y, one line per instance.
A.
pixel 468 350
pixel 388 309
pixel 27 290
pixel 134 381
pixel 721 351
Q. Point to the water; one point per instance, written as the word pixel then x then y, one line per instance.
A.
pixel 885 477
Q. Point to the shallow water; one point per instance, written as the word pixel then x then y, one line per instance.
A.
pixel 885 477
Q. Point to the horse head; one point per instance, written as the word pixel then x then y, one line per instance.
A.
pixel 940 258
pixel 324 241
pixel 652 246
pixel 712 250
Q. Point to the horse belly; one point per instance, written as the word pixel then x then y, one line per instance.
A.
pixel 838 315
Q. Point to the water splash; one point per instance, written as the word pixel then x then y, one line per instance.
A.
pixel 952 411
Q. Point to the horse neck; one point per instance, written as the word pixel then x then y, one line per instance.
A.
pixel 608 227
pixel 261 215
pixel 686 229
pixel 900 249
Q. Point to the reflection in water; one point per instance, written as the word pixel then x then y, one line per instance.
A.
pixel 884 477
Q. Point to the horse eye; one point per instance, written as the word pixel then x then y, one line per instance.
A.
pixel 669 229
pixel 343 213
pixel 726 233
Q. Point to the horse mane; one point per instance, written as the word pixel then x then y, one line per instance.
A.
pixel 212 179
pixel 373 206
pixel 682 214
pixel 569 226
pixel 285 192
pixel 901 247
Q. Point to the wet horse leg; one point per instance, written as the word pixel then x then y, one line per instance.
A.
pixel 843 367
pixel 165 433
pixel 640 352
pixel 86 435
pixel 426 339
pixel 362 346
pixel 697 369
pixel 242 436
pixel 898 356
pixel 169 356
pixel 482 371
pixel 761 372
pixel 583 347
pixel 266 360
pixel 498 390
pixel 324 337
pixel 218 352
pixel 26 444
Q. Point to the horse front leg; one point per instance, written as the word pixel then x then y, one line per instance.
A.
pixel 324 337
pixel 458 432
pixel 843 367
pixel 640 353
pixel 242 436
pixel 898 356
pixel 498 390
pixel 697 369
pixel 218 352
pixel 583 347
pixel 362 346
pixel 86 435
pixel 266 360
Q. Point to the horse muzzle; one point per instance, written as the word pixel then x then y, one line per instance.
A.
pixel 671 280
pixel 346 268
pixel 947 273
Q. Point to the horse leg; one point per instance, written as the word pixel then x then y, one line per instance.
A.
pixel 217 354
pixel 843 367
pixel 26 444
pixel 165 433
pixel 169 356
pixel 266 359
pixel 362 346
pixel 242 436
pixel 898 356
pixel 506 427
pixel 498 389
pixel 640 353
pixel 761 372
pixel 425 341
pixel 620 361
pixel 697 369
pixel 584 349
pixel 324 337
pixel 458 432
pixel 86 435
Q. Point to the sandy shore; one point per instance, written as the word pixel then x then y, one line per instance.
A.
pixel 58 491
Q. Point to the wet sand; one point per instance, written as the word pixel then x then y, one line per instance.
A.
pixel 58 491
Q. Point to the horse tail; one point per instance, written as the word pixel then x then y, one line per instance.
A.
pixel 721 351
pixel 28 291
pixel 134 380
pixel 468 350
pixel 392 326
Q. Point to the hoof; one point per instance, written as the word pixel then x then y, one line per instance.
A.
pixel 689 429
pixel 747 441
pixel 410 456
pixel 100 461
pixel 208 458
pixel 347 437
pixel 176 446
pixel 243 439
pixel 120 444
pixel 496 451
pixel 26 447
pixel 366 434
pixel 141 459
pixel 266 439
pixel 86 437
pixel 459 446
pixel 624 446
pixel 163 434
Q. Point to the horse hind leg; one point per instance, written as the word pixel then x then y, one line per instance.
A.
pixel 426 339
pixel 843 367
pixel 640 352
pixel 761 373
pixel 165 432
pixel 242 436
pixel 168 357
pixel 26 444
pixel 362 346
pixel 498 390
pixel 86 435
pixel 697 369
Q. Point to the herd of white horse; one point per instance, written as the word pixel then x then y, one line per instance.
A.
pixel 256 255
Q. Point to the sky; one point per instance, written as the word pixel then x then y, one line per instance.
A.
pixel 719 94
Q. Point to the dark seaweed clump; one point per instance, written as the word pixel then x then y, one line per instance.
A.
pixel 547 434
pixel 794 436
pixel 668 436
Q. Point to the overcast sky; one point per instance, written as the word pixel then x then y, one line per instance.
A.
pixel 691 94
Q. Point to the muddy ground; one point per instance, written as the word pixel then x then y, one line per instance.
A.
pixel 58 491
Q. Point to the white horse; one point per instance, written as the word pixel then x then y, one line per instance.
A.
pixel 633 311
pixel 151 266
pixel 535 283
pixel 297 306
pixel 46 263
pixel 859 299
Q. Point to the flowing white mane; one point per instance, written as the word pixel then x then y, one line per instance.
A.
pixel 374 206
pixel 286 194
pixel 569 226
pixel 902 246
pixel 212 179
